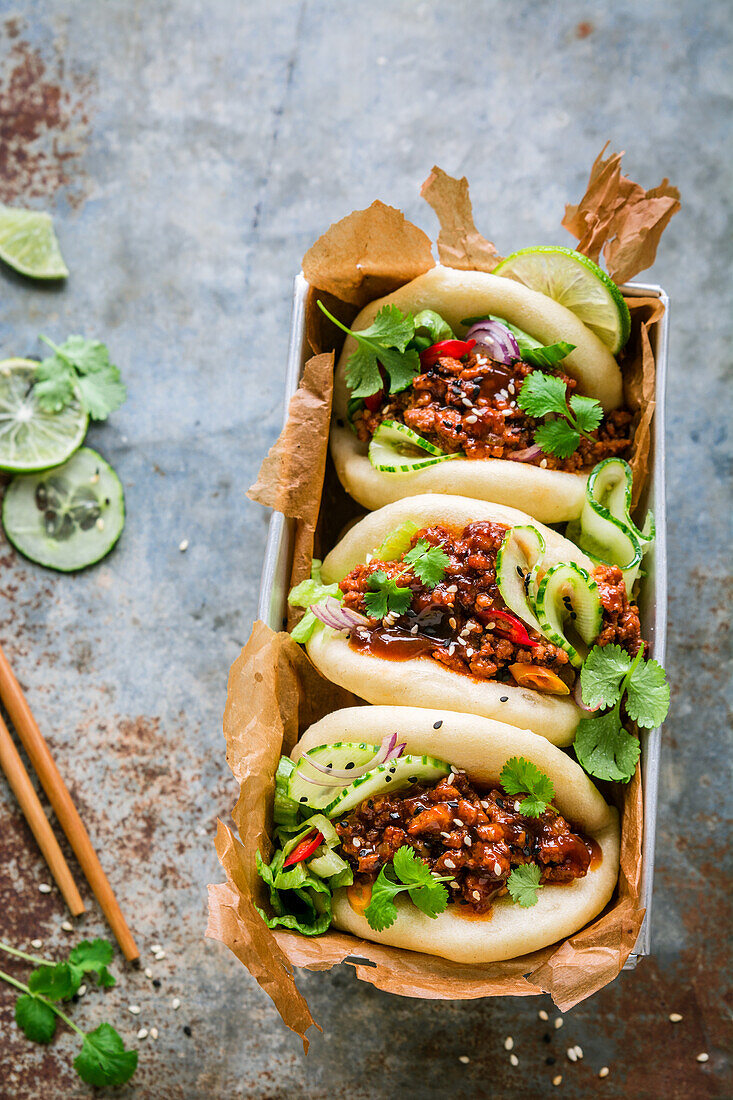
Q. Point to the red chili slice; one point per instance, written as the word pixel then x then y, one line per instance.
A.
pixel 514 630
pixel 306 848
pixel 455 348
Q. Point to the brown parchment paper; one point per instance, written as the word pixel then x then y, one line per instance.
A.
pixel 274 692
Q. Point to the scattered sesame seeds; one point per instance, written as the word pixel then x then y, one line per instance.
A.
pixel 176 1002
pixel 513 1059
pixel 183 545
pixel 557 1080
pixel 67 926
pixel 464 1059
pixel 675 1017
pixel 543 1015
pixel 603 1071
pixel 142 1033
pixel 578 1050
pixel 159 955
pixel 558 1023
pixel 36 943
pixel 44 888
pixel 508 1043
pixel 134 1009
pixel 703 1057
pixel 148 972
pixel 572 1056
pixel 154 1033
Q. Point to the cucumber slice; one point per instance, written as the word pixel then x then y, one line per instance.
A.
pixel 328 863
pixel 396 449
pixel 69 517
pixel 32 439
pixel 397 542
pixel 387 777
pixel 343 755
pixel 568 592
pixel 517 562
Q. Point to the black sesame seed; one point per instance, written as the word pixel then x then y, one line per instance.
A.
pixel 410 779
pixel 350 765
pixel 500 803
pixel 547 1038
pixel 437 725
pixel 186 1030
pixel 329 765
pixel 156 983
pixel 304 798
pixel 520 571
pixel 392 771
pixel 504 699
pixel 527 851
pixel 388 779
pixel 340 422
pixel 549 1060
pixel 573 615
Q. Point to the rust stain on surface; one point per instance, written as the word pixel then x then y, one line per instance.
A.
pixel 44 124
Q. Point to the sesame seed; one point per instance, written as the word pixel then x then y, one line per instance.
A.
pixel 148 972
pixel 467 401
pixel 154 1033
pixel 508 1043
pixel 44 888
pixel 36 943
pixel 543 463
pixel 134 1009
pixel 445 834
pixel 454 886
pixel 467 841
pixel 675 1017
pixel 159 955
pixel 464 1059
pixel 475 895
pixel 438 724
pixel 449 864
pixel 572 1056
pixel 603 1071
pixel 471 419
pixel 176 1002
pixel 452 623
pixel 542 1014
pixel 497 869
pixel 100 524
pixel 557 1080
pixel 578 1050
pixel 517 808
pixel 457 821
pixel 142 1033
pixel 470 652
pixel 156 948
pixel 558 1023
pixel 67 926
pixel 703 1057
pixel 452 588
pixel 513 1059
pixel 505 699
pixel 484 804
pixel 414 629
pixel 183 545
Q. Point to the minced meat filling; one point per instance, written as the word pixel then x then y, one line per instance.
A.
pixel 455 622
pixel 472 407
pixel 476 838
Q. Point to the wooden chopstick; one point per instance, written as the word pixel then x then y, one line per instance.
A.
pixel 30 804
pixel 65 810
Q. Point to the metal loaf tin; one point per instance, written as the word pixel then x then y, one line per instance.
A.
pixel 653 593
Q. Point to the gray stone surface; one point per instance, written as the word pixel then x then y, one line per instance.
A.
pixel 190 152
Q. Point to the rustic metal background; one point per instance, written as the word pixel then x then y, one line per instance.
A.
pixel 190 152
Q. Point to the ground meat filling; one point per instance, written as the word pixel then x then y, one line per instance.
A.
pixel 477 838
pixel 471 406
pixel 453 623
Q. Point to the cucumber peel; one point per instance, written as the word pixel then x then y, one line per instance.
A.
pixel 391 776
pixel 567 592
pixel 517 564
pixel 343 755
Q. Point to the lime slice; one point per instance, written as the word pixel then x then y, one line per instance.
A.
pixel 576 283
pixel 28 244
pixel 30 438
pixel 67 518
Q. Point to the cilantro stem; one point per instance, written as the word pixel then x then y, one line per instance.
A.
pixel 22 955
pixel 374 344
pixel 49 1004
pixel 57 350
pixel 627 678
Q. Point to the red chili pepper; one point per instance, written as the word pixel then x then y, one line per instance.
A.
pixel 515 630
pixel 306 848
pixel 455 348
pixel 374 400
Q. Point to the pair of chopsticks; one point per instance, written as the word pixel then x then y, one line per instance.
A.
pixel 34 744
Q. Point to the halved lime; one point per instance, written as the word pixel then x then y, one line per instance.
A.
pixel 30 438
pixel 28 243
pixel 577 283
pixel 66 518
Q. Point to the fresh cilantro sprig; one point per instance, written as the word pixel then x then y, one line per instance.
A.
pixel 520 776
pixel 386 595
pixel 609 677
pixel 102 1059
pixel 546 395
pixel 428 562
pixel 424 888
pixel 84 366
pixel 523 884
pixel 383 342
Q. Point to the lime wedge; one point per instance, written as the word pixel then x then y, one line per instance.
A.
pixel 577 283
pixel 31 439
pixel 28 244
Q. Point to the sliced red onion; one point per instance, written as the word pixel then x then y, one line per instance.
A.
pixel 578 697
pixel 527 455
pixel 335 615
pixel 500 343
pixel 386 751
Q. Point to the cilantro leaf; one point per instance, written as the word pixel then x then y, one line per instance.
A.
pixel 85 364
pixel 383 342
pixel 54 387
pixel 104 979
pixel 386 595
pixel 647 695
pixel 35 1019
pixel 520 776
pixel 542 394
pixel 602 674
pixel 605 749
pixel 428 562
pixel 103 392
pixel 92 954
pixel 588 412
pixel 56 982
pixel 546 357
pixel 523 884
pixel 425 889
pixel 103 1059
pixel 557 437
